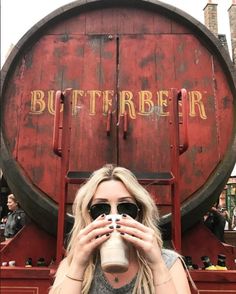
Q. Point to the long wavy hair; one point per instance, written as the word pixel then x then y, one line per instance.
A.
pixel 149 216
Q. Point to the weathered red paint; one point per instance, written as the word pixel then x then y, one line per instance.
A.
pixel 22 280
pixel 121 61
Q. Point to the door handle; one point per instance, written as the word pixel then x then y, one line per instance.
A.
pixel 56 126
pixel 125 125
pixel 182 95
pixel 109 116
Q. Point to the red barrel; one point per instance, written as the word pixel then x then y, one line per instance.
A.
pixel 123 61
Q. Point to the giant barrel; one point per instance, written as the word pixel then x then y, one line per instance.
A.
pixel 121 59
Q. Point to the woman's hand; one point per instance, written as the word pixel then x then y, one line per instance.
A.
pixel 69 278
pixel 142 238
pixel 88 239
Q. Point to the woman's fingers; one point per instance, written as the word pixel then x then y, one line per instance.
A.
pixel 85 247
pixel 95 230
pixel 101 221
pixel 136 233
pixel 94 243
pixel 136 242
pixel 130 222
pixel 91 237
pixel 95 234
pixel 143 239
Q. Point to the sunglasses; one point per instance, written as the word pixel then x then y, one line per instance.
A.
pixel 128 208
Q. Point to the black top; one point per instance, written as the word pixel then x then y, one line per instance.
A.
pixel 15 221
pixel 216 223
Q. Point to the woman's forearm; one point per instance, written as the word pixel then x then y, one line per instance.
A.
pixel 162 279
pixel 71 286
pixel 72 281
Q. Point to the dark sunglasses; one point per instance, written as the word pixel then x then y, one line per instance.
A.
pixel 128 208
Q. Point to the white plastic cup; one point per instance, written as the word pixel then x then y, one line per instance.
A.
pixel 114 252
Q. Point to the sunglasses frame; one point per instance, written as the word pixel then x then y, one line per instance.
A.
pixel 117 207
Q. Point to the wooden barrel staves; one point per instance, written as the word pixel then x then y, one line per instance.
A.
pixel 122 60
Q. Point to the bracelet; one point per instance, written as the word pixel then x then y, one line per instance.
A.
pixel 162 283
pixel 77 280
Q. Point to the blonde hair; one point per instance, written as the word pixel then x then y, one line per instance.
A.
pixel 149 217
pixel 13 198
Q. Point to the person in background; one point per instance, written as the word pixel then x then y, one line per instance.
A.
pixel 15 219
pixel 223 210
pixel 216 220
pixel 152 269
pixel 233 225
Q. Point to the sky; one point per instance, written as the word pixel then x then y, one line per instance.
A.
pixel 19 16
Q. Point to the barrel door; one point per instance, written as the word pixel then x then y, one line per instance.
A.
pixel 122 61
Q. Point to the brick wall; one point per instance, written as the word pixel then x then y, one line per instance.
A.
pixel 210 17
pixel 232 21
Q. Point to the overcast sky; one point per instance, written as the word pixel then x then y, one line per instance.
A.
pixel 18 16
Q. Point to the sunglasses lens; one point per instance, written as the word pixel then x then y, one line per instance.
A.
pixel 98 209
pixel 128 208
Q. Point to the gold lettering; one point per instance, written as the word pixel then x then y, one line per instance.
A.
pixel 42 101
pixel 75 98
pixel 92 104
pixel 162 102
pixel 145 99
pixel 126 99
pixel 51 102
pixel 195 98
pixel 107 100
pixel 37 102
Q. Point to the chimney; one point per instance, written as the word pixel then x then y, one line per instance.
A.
pixel 210 17
pixel 232 22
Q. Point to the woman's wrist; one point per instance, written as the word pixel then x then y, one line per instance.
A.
pixel 74 279
pixel 75 271
pixel 165 280
pixel 159 267
pixel 161 274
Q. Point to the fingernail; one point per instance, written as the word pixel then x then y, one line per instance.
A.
pixel 107 234
pixel 110 219
pixel 111 227
pixel 117 226
pixel 103 215
pixel 96 237
pixel 117 219
pixel 122 233
pixel 124 215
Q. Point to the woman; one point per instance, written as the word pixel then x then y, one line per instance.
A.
pixel 115 190
pixel 15 218
pixel 234 219
pixel 216 220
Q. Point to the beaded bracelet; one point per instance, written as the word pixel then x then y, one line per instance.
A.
pixel 162 283
pixel 77 280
